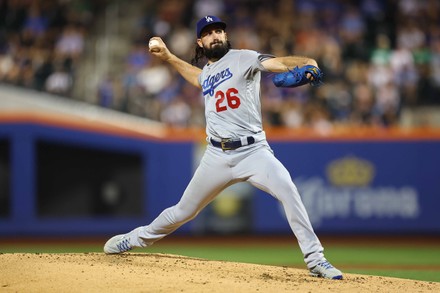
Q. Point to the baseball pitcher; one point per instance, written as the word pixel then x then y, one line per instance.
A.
pixel 237 149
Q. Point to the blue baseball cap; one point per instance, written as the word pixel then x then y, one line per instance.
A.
pixel 208 20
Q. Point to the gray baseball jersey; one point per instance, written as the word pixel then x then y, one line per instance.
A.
pixel 231 87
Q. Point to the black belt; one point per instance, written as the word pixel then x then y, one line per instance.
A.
pixel 231 144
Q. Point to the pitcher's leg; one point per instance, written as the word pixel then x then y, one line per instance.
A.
pixel 210 178
pixel 271 176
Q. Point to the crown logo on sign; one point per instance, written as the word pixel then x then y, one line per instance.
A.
pixel 350 171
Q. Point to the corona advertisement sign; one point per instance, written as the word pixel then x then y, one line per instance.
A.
pixel 348 193
pixel 360 186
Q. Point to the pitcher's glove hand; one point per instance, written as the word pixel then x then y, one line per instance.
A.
pixel 298 76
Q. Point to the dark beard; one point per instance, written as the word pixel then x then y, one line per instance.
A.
pixel 216 52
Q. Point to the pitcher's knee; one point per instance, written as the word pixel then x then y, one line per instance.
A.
pixel 286 192
pixel 284 187
pixel 184 214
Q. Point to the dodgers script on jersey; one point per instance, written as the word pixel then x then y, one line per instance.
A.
pixel 231 88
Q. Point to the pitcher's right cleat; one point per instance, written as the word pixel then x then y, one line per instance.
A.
pixel 118 244
pixel 325 270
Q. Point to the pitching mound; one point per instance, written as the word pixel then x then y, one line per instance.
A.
pixel 97 272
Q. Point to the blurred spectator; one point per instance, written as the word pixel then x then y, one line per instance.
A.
pixel 106 92
pixel 208 7
pixel 181 41
pixel 388 104
pixel 177 113
pixel 352 30
pixel 6 66
pixel 410 7
pixel 363 103
pixel 137 57
pixel 59 81
pixel 35 23
pixel 154 78
pixel 330 60
pixel 405 74
pixel 292 114
pixel 70 43
pixel 338 101
pixel 317 117
pixel 43 69
pixel 382 52
pixel 410 35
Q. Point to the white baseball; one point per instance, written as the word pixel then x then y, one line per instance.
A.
pixel 153 43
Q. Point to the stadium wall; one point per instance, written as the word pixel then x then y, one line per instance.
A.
pixel 68 167
pixel 61 177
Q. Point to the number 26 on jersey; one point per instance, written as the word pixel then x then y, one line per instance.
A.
pixel 228 99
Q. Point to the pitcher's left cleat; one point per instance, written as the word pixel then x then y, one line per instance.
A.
pixel 118 244
pixel 325 270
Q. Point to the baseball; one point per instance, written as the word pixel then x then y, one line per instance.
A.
pixel 152 44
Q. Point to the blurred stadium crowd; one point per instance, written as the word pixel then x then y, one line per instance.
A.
pixel 378 56
pixel 41 42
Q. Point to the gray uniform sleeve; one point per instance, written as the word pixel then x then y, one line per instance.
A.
pixel 199 78
pixel 250 62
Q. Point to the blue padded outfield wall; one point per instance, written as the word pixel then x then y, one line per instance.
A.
pixel 61 181
pixel 363 186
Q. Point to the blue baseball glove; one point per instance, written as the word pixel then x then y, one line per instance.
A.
pixel 298 76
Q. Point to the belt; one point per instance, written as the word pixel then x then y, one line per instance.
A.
pixel 232 144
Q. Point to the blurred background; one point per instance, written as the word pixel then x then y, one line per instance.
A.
pixel 381 59
pixel 97 136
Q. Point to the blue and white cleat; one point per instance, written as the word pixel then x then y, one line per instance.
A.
pixel 118 244
pixel 325 270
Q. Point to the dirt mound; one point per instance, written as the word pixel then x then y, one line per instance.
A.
pixel 97 272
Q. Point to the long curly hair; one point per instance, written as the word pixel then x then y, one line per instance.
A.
pixel 199 53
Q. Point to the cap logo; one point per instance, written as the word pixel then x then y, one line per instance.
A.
pixel 208 18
